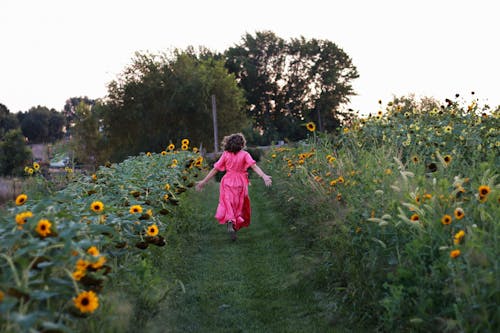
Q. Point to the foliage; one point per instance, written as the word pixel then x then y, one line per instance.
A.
pixel 69 110
pixel 41 125
pixel 287 82
pixel 8 121
pixel 158 98
pixel 402 207
pixel 14 153
pixel 56 249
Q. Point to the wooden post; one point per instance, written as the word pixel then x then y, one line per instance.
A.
pixel 214 114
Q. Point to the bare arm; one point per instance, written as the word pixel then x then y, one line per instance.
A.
pixel 201 183
pixel 267 179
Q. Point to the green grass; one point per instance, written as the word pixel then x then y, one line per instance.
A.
pixel 242 286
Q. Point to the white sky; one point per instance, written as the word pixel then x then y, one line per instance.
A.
pixel 55 49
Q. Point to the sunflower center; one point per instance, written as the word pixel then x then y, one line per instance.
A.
pixel 43 227
pixel 85 301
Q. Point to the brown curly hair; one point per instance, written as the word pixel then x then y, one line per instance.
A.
pixel 234 143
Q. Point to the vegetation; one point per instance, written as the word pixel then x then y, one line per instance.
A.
pixel 402 208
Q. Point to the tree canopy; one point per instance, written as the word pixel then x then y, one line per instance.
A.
pixel 41 125
pixel 159 100
pixel 288 83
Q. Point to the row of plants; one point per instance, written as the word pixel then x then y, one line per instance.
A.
pixel 59 251
pixel 399 213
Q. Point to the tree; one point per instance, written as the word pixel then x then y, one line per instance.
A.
pixel 14 154
pixel 289 83
pixel 161 99
pixel 41 125
pixel 8 121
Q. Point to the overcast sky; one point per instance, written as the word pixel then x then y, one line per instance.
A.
pixel 55 49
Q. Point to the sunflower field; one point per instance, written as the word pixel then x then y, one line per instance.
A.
pixel 400 216
pixel 58 251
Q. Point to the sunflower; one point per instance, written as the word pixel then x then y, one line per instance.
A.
pixel 78 274
pixel 339 197
pixel 36 166
pixel 446 219
pixel 454 253
pixel 311 126
pixel 164 153
pixel 185 142
pixel 484 190
pixel 94 177
pixel 447 159
pixel 97 206
pixel 152 230
pixel 340 179
pixel 43 227
pixel 459 213
pixel 82 265
pixel 148 153
pixel 135 209
pixel 195 150
pixel 99 263
pixel 22 217
pixel 86 301
pixel 93 251
pixel 30 171
pixel 171 147
pixel 414 158
pixel 457 238
pixel 165 197
pixel 184 147
pixel 414 218
pixel 167 187
pixel 448 129
pixel 21 199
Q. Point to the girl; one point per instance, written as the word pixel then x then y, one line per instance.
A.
pixel 234 203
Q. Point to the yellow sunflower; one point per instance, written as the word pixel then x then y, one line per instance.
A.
pixel 36 166
pixel 454 253
pixel 99 263
pixel 97 206
pixel 447 159
pixel 484 190
pixel 446 219
pixel 22 217
pixel 184 147
pixel 135 209
pixel 185 142
pixel 459 213
pixel 21 199
pixel 86 301
pixel 93 251
pixel 414 218
pixel 43 227
pixel 152 230
pixel 164 153
pixel 171 147
pixel 311 126
pixel 457 238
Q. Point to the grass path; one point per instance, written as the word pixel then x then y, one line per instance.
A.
pixel 241 286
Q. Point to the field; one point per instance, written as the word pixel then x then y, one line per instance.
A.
pixel 388 225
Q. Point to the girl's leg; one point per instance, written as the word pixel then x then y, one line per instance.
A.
pixel 230 230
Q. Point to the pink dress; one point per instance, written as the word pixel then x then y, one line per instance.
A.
pixel 234 203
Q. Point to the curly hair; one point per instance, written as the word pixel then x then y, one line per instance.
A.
pixel 234 143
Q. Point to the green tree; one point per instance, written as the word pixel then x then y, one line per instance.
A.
pixel 160 99
pixel 8 121
pixel 14 154
pixel 42 125
pixel 291 82
pixel 87 136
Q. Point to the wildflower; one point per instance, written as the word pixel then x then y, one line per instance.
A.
pixel 185 142
pixel 30 171
pixel 36 166
pixel 82 265
pixel 43 227
pixel 448 129
pixel 340 179
pixel 195 150
pixel 94 177
pixel 454 253
pixel 484 190
pixel 148 153
pixel 311 127
pixel 167 187
pixel 447 159
pixel 414 158
pixel 346 130
pixel 184 147
pixel 21 199
pixel 78 274
pixel 99 263
pixel 414 218
pixel 97 206
pixel 171 147
pixel 93 251
pixel 457 238
pixel 164 153
pixel 333 182
pixel 152 230
pixel 22 217
pixel 135 209
pixel 86 301
pixel 339 197
pixel 446 219
pixel 459 213
pixel 388 171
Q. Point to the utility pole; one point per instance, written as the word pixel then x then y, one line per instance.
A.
pixel 214 114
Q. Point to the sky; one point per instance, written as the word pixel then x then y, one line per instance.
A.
pixel 52 50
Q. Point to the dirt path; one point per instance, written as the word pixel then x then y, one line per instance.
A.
pixel 242 286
